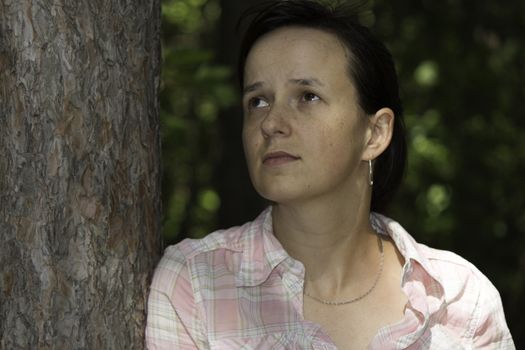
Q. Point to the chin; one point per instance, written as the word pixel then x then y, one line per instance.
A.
pixel 279 195
pixel 280 189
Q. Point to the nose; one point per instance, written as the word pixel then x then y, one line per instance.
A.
pixel 276 122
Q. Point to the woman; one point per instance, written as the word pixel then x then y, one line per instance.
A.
pixel 324 142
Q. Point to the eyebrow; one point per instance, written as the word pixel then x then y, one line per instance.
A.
pixel 252 87
pixel 300 81
pixel 307 81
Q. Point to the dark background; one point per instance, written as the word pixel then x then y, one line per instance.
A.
pixel 461 69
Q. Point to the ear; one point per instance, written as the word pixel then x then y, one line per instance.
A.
pixel 379 133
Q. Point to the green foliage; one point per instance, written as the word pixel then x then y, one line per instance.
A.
pixel 194 89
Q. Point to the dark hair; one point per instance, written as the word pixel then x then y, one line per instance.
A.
pixel 371 69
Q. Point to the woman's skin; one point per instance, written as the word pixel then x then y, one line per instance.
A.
pixel 307 144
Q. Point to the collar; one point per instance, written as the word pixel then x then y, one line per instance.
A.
pixel 425 297
pixel 261 252
pixel 406 244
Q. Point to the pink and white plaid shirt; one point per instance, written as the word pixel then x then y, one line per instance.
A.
pixel 239 289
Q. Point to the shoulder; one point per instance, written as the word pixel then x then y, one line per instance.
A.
pixel 189 248
pixel 450 265
pixel 452 272
pixel 449 269
pixel 191 256
pixel 176 314
pixel 457 274
pixel 472 300
pixel 465 301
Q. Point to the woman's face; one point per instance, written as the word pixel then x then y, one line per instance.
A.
pixel 304 133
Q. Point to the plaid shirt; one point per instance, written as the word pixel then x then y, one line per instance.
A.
pixel 239 289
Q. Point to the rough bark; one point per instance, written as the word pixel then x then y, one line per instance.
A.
pixel 79 171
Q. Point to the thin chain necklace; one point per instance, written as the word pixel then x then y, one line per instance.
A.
pixel 330 302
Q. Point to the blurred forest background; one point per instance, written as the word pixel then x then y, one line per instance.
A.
pixel 461 65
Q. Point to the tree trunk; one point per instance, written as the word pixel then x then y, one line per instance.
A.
pixel 79 171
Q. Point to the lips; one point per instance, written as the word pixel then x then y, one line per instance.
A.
pixel 278 158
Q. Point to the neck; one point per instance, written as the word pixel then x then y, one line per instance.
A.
pixel 335 243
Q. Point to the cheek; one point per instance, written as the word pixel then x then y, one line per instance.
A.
pixel 334 140
pixel 245 136
pixel 340 145
pixel 250 143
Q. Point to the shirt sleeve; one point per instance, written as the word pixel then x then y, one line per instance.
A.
pixel 173 319
pixel 491 331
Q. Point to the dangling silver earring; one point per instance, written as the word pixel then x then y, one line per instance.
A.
pixel 370 173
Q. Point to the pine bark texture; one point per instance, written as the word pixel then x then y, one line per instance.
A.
pixel 79 171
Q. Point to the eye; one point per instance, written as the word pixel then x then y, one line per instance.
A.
pixel 310 97
pixel 257 102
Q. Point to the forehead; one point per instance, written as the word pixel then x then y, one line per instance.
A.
pixel 296 50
